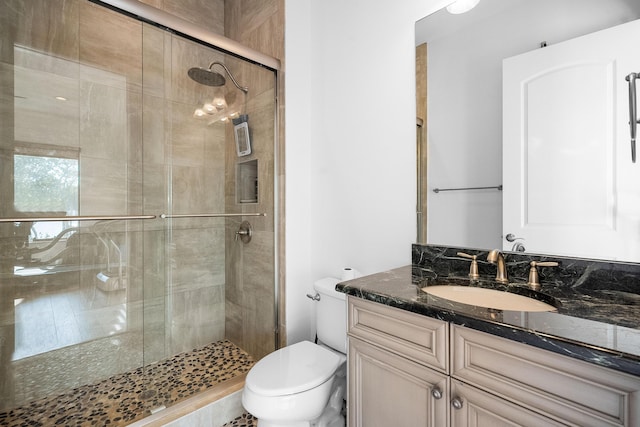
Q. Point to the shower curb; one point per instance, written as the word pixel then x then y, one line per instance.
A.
pixel 192 404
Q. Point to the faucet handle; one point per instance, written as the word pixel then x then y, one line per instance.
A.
pixel 473 269
pixel 534 279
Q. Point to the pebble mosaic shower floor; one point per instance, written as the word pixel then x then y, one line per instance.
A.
pixel 128 397
pixel 245 420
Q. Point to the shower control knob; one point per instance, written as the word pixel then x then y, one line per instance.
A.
pixel 245 232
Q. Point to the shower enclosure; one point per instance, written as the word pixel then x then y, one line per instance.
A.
pixel 122 195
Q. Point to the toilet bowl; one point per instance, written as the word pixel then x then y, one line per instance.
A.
pixel 303 385
pixel 292 386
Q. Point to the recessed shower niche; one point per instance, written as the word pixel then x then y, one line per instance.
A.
pixel 247 182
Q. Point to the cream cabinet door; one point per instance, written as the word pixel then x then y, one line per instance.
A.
pixel 388 390
pixel 472 407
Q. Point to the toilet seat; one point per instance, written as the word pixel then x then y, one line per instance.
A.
pixel 292 369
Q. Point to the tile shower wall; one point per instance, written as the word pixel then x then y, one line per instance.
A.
pixel 250 282
pixel 126 88
pixel 250 274
pixel 187 157
pixel 208 14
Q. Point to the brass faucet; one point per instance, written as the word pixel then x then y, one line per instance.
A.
pixel 495 257
pixel 534 279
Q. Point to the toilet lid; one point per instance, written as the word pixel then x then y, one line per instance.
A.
pixel 292 369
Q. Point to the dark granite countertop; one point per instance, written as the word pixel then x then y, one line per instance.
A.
pixel 597 326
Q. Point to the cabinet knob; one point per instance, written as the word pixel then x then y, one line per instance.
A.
pixel 436 393
pixel 456 402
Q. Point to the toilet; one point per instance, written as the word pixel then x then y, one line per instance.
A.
pixel 303 384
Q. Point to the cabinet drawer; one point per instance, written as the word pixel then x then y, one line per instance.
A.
pixel 481 409
pixel 418 338
pixel 569 390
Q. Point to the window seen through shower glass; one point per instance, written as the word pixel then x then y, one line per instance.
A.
pixel 46 185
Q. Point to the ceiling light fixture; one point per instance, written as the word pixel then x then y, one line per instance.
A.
pixel 462 6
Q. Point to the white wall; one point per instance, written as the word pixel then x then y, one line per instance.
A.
pixel 350 137
pixel 297 165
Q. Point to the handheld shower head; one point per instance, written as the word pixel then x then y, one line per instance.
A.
pixel 211 78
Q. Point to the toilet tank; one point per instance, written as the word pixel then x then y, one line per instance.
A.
pixel 331 315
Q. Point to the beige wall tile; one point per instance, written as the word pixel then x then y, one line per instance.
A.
pixel 250 267
pixel 153 62
pixel 7 101
pixel 103 121
pixel 56 31
pixel 259 24
pixel 120 52
pixel 155 3
pixel 205 13
pixel 38 116
pixel 103 185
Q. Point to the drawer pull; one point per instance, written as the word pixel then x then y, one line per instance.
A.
pixel 436 393
pixel 456 402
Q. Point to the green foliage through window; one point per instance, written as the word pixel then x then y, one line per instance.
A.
pixel 45 184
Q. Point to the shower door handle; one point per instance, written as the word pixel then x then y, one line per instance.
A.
pixel 633 112
pixel 77 218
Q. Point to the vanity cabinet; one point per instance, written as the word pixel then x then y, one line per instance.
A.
pixel 411 370
pixel 398 366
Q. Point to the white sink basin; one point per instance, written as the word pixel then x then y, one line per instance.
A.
pixel 488 298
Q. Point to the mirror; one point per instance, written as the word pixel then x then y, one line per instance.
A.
pixel 460 146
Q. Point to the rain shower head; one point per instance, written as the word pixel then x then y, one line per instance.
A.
pixel 208 77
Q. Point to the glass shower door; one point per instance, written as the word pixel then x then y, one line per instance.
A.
pixel 123 196
pixel 69 163
pixel 219 286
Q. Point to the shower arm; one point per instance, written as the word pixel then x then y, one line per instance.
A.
pixel 242 88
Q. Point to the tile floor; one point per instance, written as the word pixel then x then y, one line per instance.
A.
pixel 59 319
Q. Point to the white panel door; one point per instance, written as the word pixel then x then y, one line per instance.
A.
pixel 570 187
